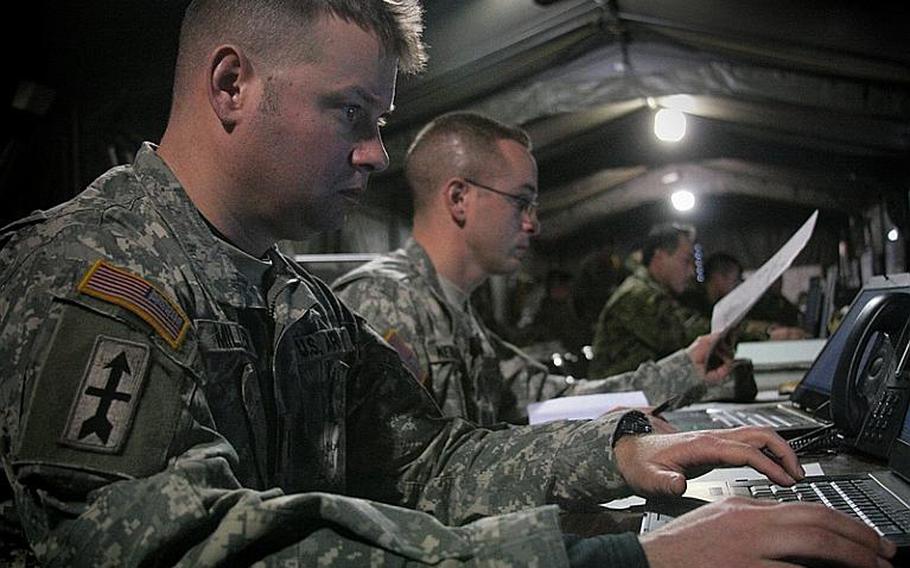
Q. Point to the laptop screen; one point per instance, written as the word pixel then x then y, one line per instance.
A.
pixel 899 461
pixel 815 388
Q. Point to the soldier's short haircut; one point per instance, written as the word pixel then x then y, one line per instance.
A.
pixel 664 237
pixel 721 263
pixel 455 144
pixel 276 29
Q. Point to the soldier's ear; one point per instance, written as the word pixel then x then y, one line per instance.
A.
pixel 229 84
pixel 455 194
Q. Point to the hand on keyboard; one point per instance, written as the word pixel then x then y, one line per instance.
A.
pixel 658 464
pixel 745 533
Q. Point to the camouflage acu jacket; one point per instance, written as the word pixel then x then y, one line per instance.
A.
pixel 160 407
pixel 470 371
pixel 642 321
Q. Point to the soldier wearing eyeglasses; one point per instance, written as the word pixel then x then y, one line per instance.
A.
pixel 474 185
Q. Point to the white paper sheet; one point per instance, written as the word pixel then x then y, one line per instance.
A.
pixel 731 308
pixel 582 407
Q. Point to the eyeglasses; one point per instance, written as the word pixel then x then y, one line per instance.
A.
pixel 527 206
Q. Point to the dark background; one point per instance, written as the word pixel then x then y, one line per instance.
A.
pixel 86 82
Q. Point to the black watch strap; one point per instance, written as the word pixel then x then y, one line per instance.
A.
pixel 633 422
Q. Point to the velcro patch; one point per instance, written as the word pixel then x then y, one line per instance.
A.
pixel 106 401
pixel 115 285
pixel 321 343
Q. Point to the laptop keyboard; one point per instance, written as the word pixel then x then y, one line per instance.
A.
pixel 861 498
pixel 773 417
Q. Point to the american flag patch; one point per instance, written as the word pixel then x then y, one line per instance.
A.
pixel 129 291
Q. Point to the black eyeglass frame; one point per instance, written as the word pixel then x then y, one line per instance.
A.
pixel 527 206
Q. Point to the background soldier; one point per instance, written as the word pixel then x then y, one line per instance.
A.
pixel 644 319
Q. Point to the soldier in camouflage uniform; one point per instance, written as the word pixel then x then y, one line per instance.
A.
pixel 418 297
pixel 170 399
pixel 200 378
pixel 644 319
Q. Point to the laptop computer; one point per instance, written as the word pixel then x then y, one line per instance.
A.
pixel 807 408
pixel 879 499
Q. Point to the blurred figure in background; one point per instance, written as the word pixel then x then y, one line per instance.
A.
pixel 551 316
pixel 598 277
pixel 643 319
pixel 772 317
pixel 646 319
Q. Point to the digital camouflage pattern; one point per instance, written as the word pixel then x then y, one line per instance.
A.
pixel 257 436
pixel 471 372
pixel 642 321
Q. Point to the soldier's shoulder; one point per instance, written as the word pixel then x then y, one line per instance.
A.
pixel 388 270
pixel 106 221
pixel 631 291
pixel 111 204
pixel 383 288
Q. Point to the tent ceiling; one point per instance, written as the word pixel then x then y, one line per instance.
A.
pixel 817 92
pixel 807 105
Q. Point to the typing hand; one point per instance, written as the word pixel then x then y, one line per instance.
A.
pixel 657 464
pixel 749 533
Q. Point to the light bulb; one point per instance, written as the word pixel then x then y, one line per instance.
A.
pixel 682 200
pixel 669 125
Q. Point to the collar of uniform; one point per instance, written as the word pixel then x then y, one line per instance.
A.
pixel 253 268
pixel 224 278
pixel 457 304
pixel 642 274
pixel 421 261
pixel 453 293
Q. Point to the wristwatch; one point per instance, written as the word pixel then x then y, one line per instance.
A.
pixel 633 422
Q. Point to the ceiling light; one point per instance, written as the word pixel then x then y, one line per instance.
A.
pixel 669 125
pixel 682 200
pixel 893 234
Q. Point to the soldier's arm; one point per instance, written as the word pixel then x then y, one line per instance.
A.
pixel 659 380
pixel 401 450
pixel 119 463
pixel 530 381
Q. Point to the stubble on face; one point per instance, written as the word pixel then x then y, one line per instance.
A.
pixel 306 176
